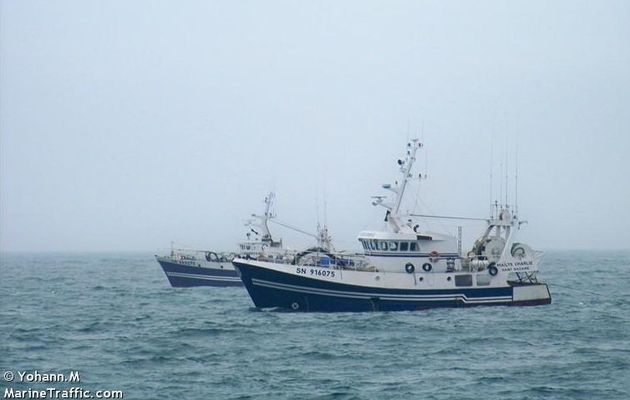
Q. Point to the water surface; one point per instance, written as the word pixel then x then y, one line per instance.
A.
pixel 114 318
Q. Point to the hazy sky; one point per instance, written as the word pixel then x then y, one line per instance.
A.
pixel 127 124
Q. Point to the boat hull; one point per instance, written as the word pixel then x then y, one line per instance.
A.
pixel 183 275
pixel 275 288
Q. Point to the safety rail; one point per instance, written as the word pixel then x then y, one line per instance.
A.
pixel 186 254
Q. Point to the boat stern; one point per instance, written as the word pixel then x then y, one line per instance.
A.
pixel 531 295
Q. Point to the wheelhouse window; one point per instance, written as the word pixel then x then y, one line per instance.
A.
pixel 393 246
pixel 413 246
pixel 404 246
pixel 383 245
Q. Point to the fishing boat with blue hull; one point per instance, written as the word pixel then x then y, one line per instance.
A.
pixel 311 288
pixel 189 268
pixel 185 268
pixel 407 268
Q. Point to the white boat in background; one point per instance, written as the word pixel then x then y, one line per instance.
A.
pixel 189 267
pixel 407 268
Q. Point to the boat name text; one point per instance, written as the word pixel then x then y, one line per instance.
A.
pixel 313 271
pixel 516 266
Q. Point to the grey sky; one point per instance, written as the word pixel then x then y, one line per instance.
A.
pixel 127 124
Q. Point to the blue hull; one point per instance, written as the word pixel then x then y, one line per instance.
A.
pixel 271 288
pixel 180 275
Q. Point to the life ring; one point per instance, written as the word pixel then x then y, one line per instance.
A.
pixel 492 269
pixel 409 267
pixel 427 267
pixel 434 255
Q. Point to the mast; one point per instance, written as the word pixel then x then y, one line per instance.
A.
pixel 392 216
pixel 264 219
pixel 405 168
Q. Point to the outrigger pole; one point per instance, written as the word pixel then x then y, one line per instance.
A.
pixel 275 221
pixel 323 239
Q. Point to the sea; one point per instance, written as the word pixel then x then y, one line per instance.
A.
pixel 113 319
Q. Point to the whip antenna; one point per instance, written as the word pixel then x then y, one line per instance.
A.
pixel 516 180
